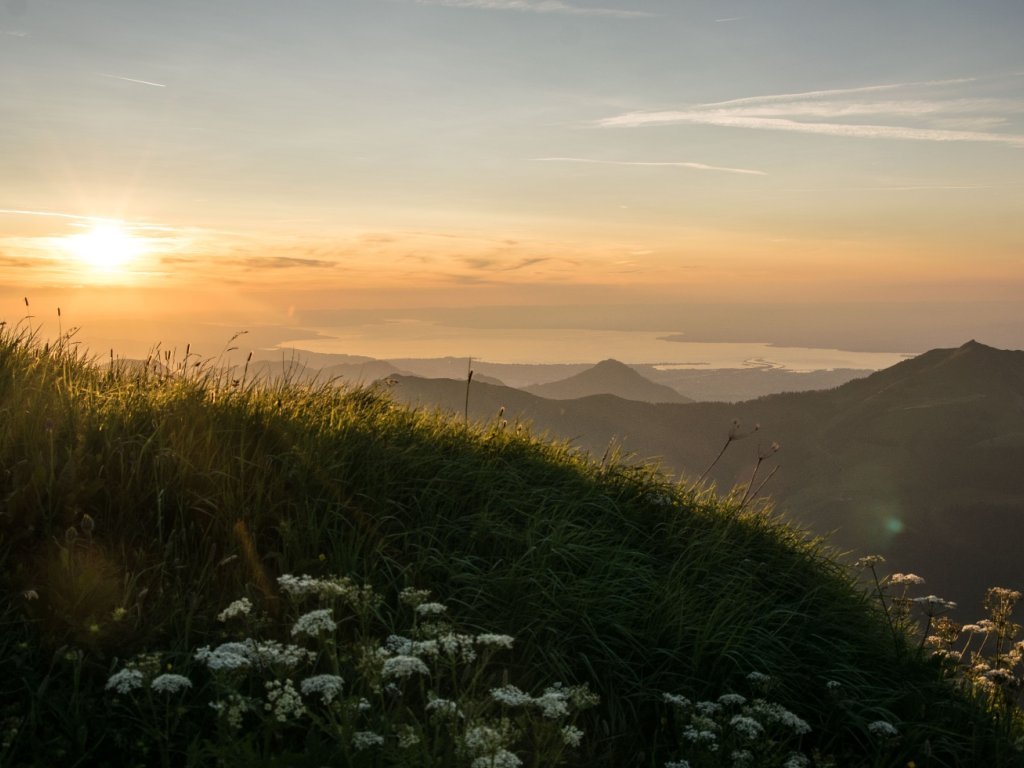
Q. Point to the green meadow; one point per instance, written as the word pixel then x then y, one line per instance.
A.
pixel 202 568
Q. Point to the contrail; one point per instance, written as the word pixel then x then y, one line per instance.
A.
pixel 133 80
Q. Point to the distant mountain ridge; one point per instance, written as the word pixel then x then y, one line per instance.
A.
pixel 695 381
pixel 609 377
pixel 922 462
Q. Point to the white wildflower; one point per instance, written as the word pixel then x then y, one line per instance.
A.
pixel 328 686
pixel 233 710
pixel 495 641
pixel 242 607
pixel 510 696
pixel 677 764
pixel 443 707
pixel 283 701
pixel 483 740
pixel 271 653
pixel 999 676
pixel 776 713
pixel 553 702
pixel 363 705
pixel 833 685
pixel 502 758
pixel 911 579
pixel 741 758
pixel 708 708
pixel 796 760
pixel 314 622
pixel 883 728
pixel 414 597
pixel 870 561
pixel 747 727
pixel 300 586
pixel 404 646
pixel 1003 594
pixel 701 736
pixel 399 644
pixel 676 700
pixel 431 609
pixel 366 739
pixel 457 646
pixel 403 666
pixel 759 678
pixel 170 683
pixel 223 658
pixel 732 700
pixel 933 602
pixel 571 735
pixel 428 648
pixel 125 681
pixel 581 697
pixel 408 737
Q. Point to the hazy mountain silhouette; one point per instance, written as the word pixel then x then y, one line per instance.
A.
pixel 609 377
pixel 922 462
pixel 364 372
pixel 732 385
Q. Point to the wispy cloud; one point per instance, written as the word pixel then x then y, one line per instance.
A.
pixel 252 262
pixel 285 262
pixel 52 214
pixel 491 264
pixel 537 6
pixel 730 18
pixel 834 113
pixel 76 217
pixel 652 164
pixel 133 80
pixel 832 92
pixel 14 32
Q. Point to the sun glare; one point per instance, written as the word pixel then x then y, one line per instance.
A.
pixel 105 248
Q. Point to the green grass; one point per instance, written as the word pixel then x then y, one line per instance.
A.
pixel 204 489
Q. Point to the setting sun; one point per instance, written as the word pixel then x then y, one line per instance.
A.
pixel 105 248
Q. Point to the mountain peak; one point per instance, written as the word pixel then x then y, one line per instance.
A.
pixel 978 346
pixel 609 377
pixel 972 370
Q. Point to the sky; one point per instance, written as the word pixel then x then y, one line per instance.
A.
pixel 824 172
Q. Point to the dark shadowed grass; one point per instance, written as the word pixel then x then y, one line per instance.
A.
pixel 201 488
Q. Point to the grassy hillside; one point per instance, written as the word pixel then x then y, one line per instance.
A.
pixel 138 510
pixel 919 462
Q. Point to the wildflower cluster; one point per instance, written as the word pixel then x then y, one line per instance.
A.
pixel 426 696
pixel 733 730
pixel 988 655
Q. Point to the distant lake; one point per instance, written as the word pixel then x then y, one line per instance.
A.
pixel 415 339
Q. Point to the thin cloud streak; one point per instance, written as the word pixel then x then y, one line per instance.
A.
pixel 849 130
pixel 51 214
pixel 955 119
pixel 836 92
pixel 135 227
pixel 652 164
pixel 537 6
pixel 906 108
pixel 133 80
